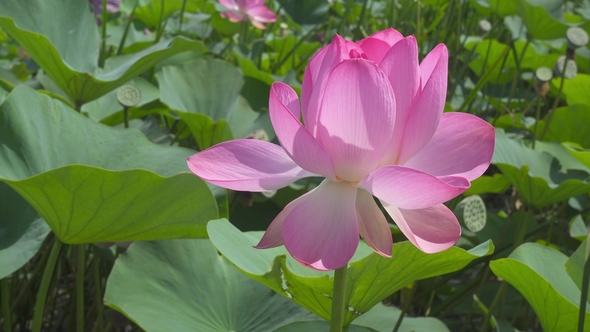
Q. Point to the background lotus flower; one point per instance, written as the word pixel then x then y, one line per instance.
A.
pixel 254 10
pixel 374 126
pixel 112 6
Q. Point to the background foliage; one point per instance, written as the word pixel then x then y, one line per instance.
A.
pixel 79 171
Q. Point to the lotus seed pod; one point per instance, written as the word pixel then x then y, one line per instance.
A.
pixel 570 66
pixel 484 26
pixel 576 38
pixel 129 95
pixel 472 212
pixel 542 77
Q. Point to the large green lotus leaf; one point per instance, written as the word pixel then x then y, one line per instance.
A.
pixel 151 12
pixel 67 49
pixel 538 273
pixel 380 318
pixel 499 7
pixel 94 183
pixel 185 285
pixel 575 264
pixel 495 184
pixel 22 231
pixel 569 124
pixel 206 94
pixel 575 90
pixel 581 154
pixel 306 11
pixel 371 277
pixel 543 176
pixel 543 18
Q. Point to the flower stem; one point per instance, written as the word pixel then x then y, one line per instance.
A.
pixel 584 295
pixel 45 281
pixel 338 299
pixel 80 269
pixel 5 289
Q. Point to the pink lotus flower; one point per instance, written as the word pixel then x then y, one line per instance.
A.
pixel 374 126
pixel 255 10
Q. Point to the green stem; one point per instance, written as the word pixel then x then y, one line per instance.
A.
pixel 556 101
pixel 98 283
pixel 126 32
pixel 103 26
pixel 338 299
pixel 584 296
pixel 181 15
pixel 45 281
pixel 538 117
pixel 81 253
pixel 160 30
pixel 406 307
pixel 499 295
pixel 126 116
pixel 6 304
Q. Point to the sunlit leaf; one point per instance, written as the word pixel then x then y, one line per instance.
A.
pixel 538 273
pixel 93 183
pixel 371 277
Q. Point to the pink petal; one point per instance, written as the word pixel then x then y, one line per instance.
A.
pixel 432 229
pixel 321 231
pixel 409 188
pixel 462 145
pixel 273 236
pixel 257 24
pixel 338 50
pixel 401 66
pixel 229 4
pixel 356 118
pixel 246 165
pixel 233 16
pixel 261 14
pixel 377 45
pixel 427 110
pixel 295 139
pixel 310 76
pixel 373 226
pixel 254 3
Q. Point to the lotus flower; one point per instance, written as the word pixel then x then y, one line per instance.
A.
pixel 373 127
pixel 112 6
pixel 255 10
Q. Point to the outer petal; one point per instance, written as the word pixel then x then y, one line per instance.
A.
pixel 432 229
pixel 462 145
pixel 428 108
pixel 401 66
pixel 321 231
pixel 273 236
pixel 373 226
pixel 409 188
pixel 356 118
pixel 377 45
pixel 261 14
pixel 233 15
pixel 229 4
pixel 295 139
pixel 246 165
